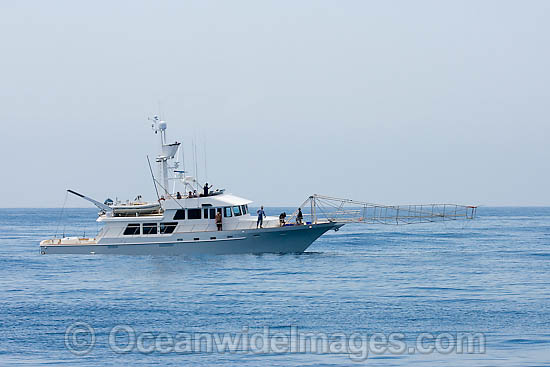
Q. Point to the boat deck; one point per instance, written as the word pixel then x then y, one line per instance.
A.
pixel 69 241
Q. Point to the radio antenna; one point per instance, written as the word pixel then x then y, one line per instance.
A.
pixel 205 165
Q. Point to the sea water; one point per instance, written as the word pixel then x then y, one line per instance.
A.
pixel 403 295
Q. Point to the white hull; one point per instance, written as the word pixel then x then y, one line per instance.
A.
pixel 293 239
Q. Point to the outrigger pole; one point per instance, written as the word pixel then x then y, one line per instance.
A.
pixel 95 202
pixel 352 211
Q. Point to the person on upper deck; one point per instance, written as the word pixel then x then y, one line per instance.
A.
pixel 206 188
pixel 178 195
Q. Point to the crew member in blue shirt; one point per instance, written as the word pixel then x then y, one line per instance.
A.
pixel 261 215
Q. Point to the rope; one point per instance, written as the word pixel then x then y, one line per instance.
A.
pixel 158 183
pixel 61 216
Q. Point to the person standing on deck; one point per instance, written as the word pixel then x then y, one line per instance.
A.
pixel 282 217
pixel 219 220
pixel 261 215
pixel 206 188
pixel 299 216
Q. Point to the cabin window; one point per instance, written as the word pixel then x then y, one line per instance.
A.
pixel 243 208
pixel 194 213
pixel 227 211
pixel 132 229
pixel 237 210
pixel 166 228
pixel 180 214
pixel 212 213
pixel 149 228
pixel 205 216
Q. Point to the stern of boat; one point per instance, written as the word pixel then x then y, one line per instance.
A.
pixel 46 245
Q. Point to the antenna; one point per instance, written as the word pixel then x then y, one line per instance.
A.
pixel 205 166
pixel 194 146
pixel 196 167
pixel 182 155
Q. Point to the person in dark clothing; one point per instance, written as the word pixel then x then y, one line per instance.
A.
pixel 299 217
pixel 282 217
pixel 219 220
pixel 178 195
pixel 206 188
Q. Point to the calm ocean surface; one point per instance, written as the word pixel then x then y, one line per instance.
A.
pixel 489 276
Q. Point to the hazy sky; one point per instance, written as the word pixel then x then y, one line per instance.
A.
pixel 389 101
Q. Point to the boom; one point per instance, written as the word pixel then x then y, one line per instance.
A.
pixel 325 208
pixel 95 202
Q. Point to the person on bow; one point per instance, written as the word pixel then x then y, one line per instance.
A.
pixel 282 217
pixel 299 217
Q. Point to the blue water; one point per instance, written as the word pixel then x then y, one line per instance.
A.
pixel 489 276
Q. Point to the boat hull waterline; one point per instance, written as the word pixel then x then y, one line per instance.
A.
pixel 292 239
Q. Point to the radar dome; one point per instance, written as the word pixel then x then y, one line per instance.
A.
pixel 162 125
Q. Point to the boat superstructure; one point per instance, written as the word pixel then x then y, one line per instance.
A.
pixel 187 221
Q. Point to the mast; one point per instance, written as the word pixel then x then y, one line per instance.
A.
pixel 167 152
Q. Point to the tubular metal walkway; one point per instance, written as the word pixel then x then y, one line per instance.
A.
pixel 318 208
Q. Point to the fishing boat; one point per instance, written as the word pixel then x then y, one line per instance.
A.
pixel 189 218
